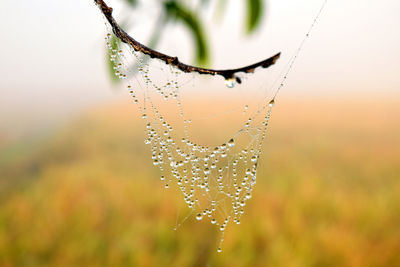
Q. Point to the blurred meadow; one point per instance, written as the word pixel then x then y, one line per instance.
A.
pixel 78 187
pixel 328 195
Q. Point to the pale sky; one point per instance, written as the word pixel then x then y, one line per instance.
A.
pixel 53 52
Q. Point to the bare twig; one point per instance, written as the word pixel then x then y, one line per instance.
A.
pixel 125 38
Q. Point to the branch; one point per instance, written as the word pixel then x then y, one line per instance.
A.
pixel 125 38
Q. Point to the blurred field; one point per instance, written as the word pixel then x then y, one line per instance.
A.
pixel 328 194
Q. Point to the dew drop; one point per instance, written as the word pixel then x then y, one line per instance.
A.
pixel 199 217
pixel 231 143
pixel 219 250
pixel 272 103
pixel 230 83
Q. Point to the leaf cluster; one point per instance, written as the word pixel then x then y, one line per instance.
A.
pixel 182 12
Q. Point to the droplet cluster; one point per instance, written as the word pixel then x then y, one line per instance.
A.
pixel 216 182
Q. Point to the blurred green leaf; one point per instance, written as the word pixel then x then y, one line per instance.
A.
pixel 192 22
pixel 154 40
pixel 175 10
pixel 132 2
pixel 115 42
pixel 254 14
pixel 220 8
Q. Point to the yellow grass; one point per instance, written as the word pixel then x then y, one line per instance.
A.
pixel 328 194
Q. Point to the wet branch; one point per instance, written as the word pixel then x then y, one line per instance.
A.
pixel 125 38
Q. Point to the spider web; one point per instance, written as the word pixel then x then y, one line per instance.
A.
pixel 205 136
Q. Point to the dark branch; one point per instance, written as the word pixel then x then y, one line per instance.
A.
pixel 125 38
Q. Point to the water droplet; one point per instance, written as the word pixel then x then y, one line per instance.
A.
pixel 199 217
pixel 219 250
pixel 230 83
pixel 231 143
pixel 213 221
pixel 272 103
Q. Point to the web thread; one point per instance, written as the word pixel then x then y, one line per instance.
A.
pixel 216 181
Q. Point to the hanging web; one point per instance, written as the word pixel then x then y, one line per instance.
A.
pixel 205 128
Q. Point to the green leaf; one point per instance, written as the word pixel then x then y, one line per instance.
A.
pixel 115 43
pixel 192 22
pixel 132 2
pixel 254 14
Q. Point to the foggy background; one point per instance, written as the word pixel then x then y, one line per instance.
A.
pixel 53 53
pixel 77 183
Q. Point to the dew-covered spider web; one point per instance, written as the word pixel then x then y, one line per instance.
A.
pixel 205 134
